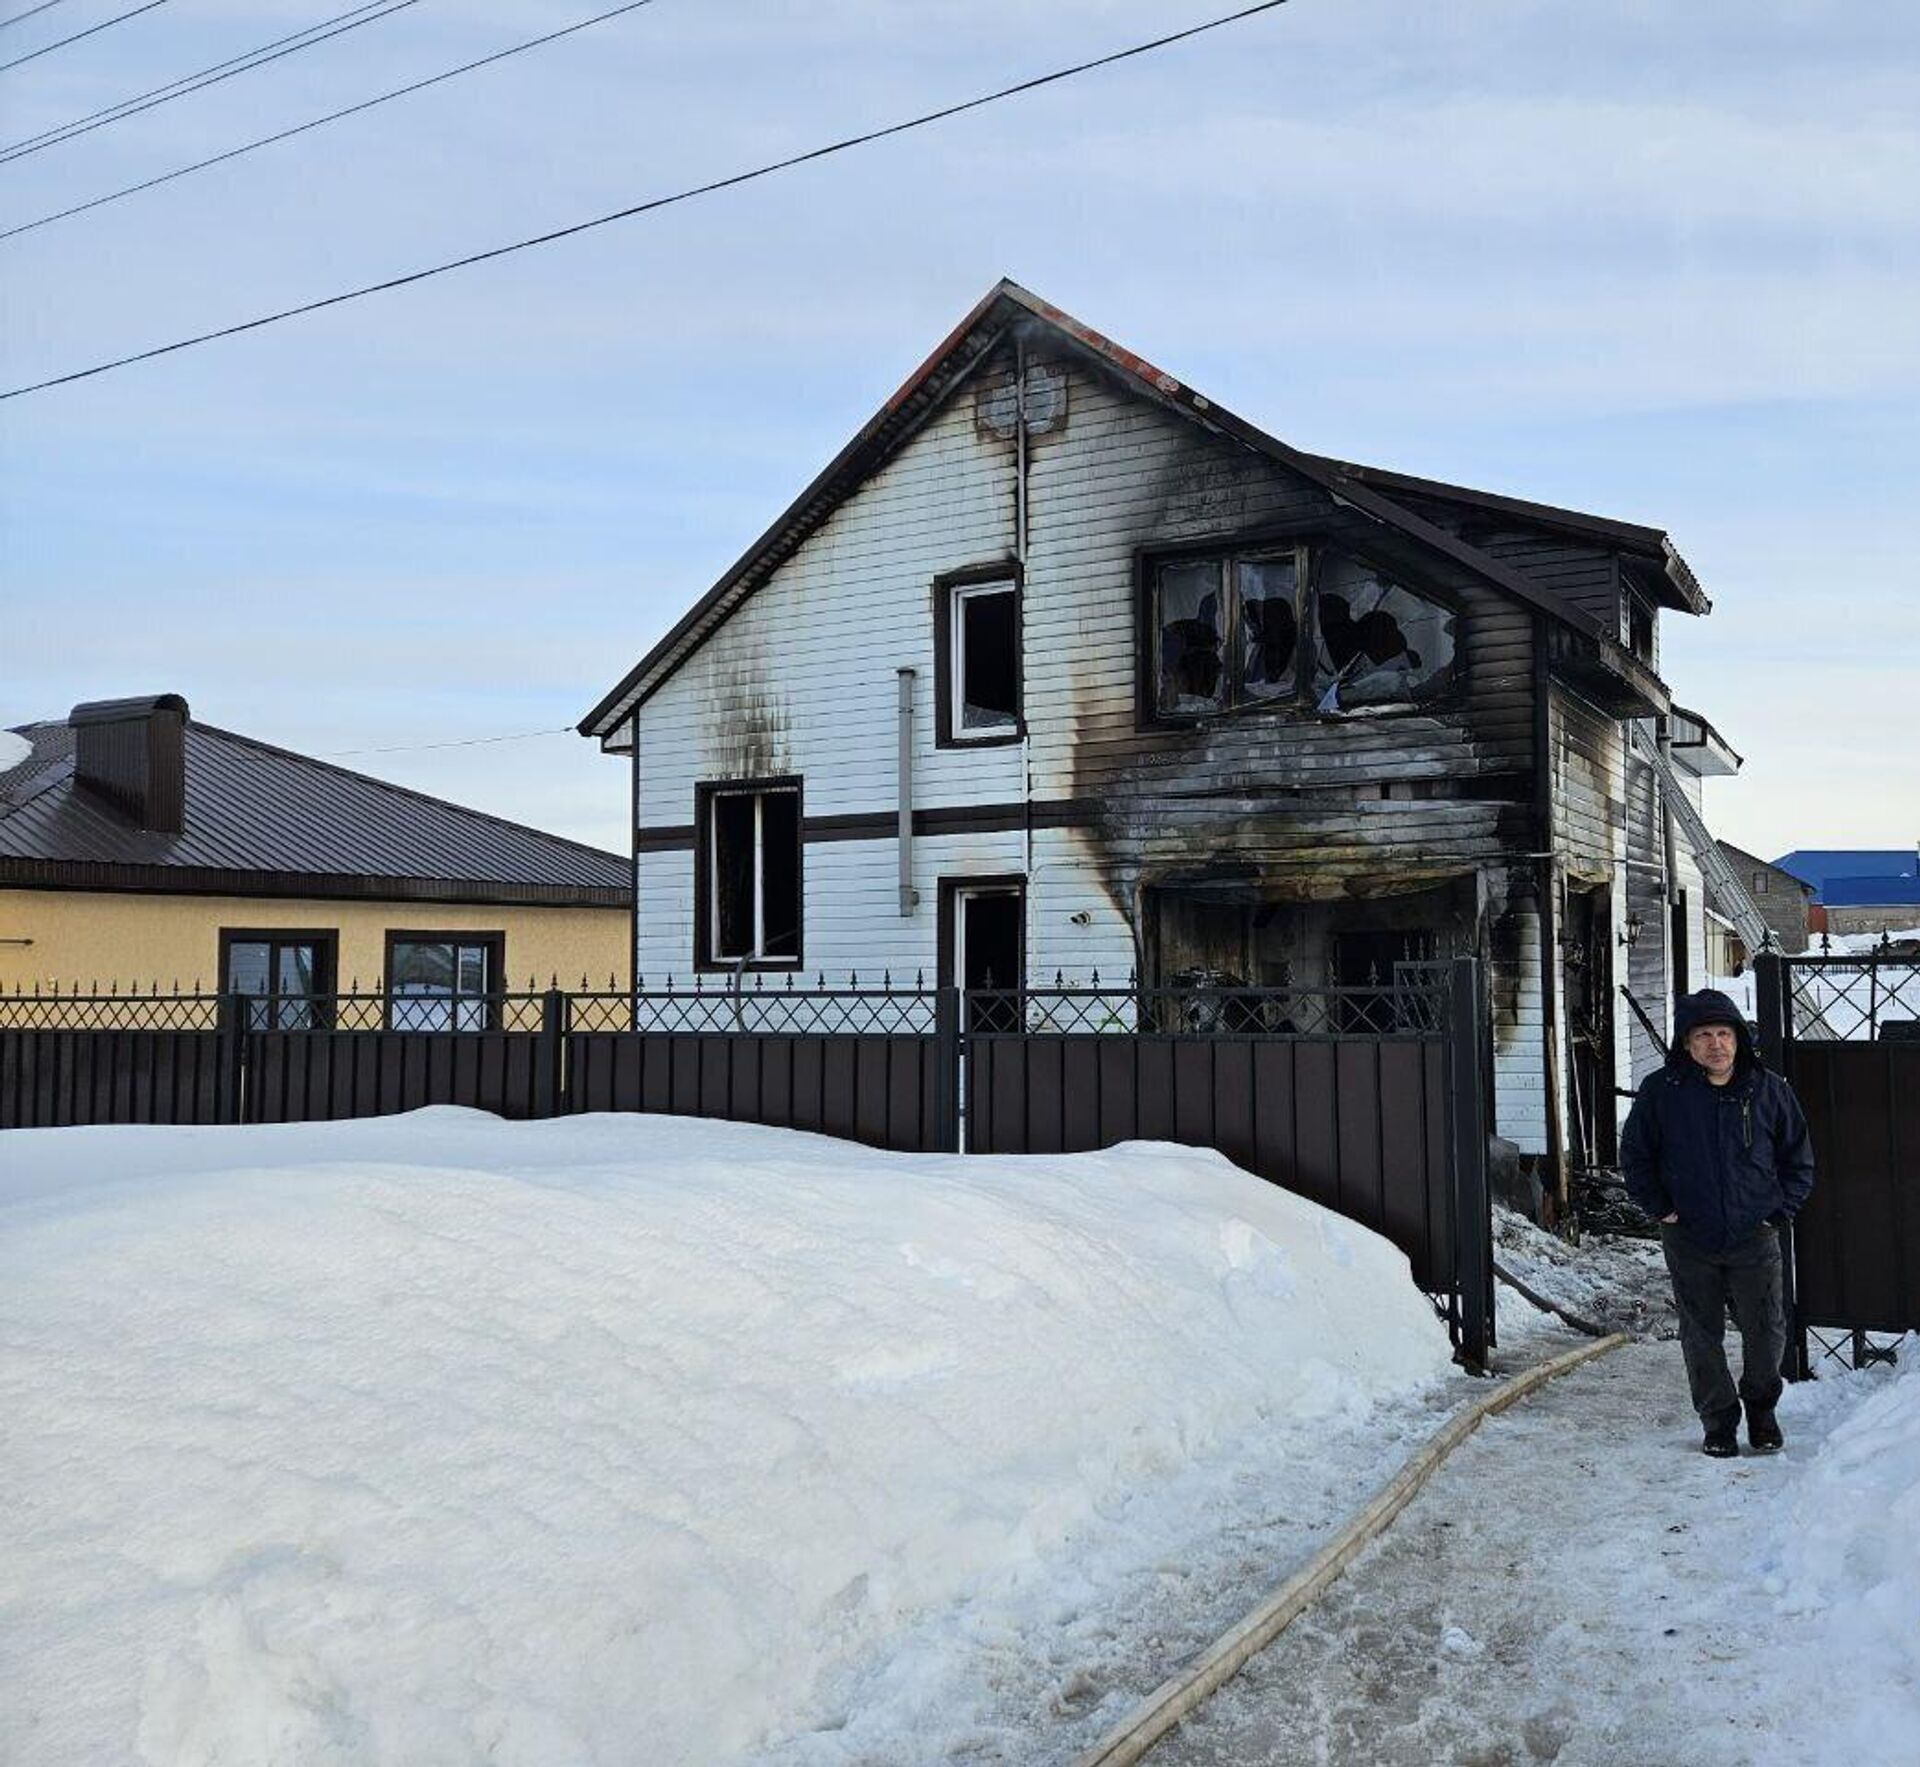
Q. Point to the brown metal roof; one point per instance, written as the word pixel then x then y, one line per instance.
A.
pixel 1005 306
pixel 262 820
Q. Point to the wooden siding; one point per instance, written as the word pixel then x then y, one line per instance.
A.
pixel 1578 571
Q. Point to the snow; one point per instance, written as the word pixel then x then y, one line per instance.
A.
pixel 14 748
pixel 438 1439
pixel 1580 1585
pixel 1617 1282
pixel 1850 1561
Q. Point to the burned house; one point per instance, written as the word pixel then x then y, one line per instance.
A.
pixel 1060 666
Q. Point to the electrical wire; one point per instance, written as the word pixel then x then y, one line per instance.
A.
pixel 466 742
pixel 316 122
pixel 652 204
pixel 90 31
pixel 370 12
pixel 22 17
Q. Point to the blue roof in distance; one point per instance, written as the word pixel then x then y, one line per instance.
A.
pixel 1821 866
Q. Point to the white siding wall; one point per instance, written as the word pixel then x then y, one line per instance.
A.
pixel 1519 1074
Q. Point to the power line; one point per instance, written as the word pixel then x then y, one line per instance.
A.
pixel 466 742
pixel 221 70
pixel 90 31
pixel 658 202
pixel 316 122
pixel 22 17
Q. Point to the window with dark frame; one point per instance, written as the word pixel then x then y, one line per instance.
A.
pixel 749 855
pixel 287 977
pixel 1273 626
pixel 444 981
pixel 977 656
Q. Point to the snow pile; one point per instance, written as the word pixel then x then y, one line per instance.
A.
pixel 1851 1559
pixel 1614 1281
pixel 438 1438
pixel 14 748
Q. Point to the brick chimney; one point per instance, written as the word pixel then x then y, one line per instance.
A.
pixel 132 753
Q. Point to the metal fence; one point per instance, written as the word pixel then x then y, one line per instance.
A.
pixel 1369 1100
pixel 1842 1030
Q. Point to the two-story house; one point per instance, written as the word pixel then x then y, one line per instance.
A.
pixel 1061 666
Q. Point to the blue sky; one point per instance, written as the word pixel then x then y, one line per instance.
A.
pixel 1651 260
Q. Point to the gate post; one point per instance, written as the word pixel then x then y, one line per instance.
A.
pixel 1472 1201
pixel 1776 1037
pixel 946 1070
pixel 550 1055
pixel 230 1053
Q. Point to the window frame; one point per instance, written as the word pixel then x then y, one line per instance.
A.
pixel 950 590
pixel 326 967
pixel 705 791
pixel 495 942
pixel 1311 549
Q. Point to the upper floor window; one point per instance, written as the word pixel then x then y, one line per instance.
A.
pixel 748 879
pixel 1759 883
pixel 1269 627
pixel 979 658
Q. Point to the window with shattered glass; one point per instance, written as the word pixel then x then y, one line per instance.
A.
pixel 1226 632
pixel 1376 643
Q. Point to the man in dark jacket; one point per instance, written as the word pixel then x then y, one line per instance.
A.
pixel 1715 1150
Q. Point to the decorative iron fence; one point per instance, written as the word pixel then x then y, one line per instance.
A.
pixel 1369 1100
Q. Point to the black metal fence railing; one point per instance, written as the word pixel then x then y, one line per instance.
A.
pixel 1844 1032
pixel 1852 1000
pixel 1368 1099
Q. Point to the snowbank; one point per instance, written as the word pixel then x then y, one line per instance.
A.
pixel 438 1438
pixel 1851 1562
pixel 14 748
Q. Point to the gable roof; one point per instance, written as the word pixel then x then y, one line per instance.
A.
pixel 969 344
pixel 262 820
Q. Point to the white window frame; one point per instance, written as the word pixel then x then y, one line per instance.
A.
pixel 957 598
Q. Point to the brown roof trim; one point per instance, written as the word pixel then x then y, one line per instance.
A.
pixel 1652 543
pixel 206 880
pixel 957 356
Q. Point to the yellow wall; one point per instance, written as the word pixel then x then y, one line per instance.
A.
pixel 82 937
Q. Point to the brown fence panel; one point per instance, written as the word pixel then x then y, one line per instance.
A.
pixel 58 1078
pixel 1857 1242
pixel 876 1088
pixel 1358 1124
pixel 324 1076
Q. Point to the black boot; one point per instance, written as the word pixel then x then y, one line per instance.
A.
pixel 1763 1430
pixel 1721 1442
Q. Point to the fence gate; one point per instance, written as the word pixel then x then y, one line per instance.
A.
pixel 1367 1100
pixel 1846 1033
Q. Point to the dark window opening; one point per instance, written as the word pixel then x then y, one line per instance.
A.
pixel 1640 629
pixel 444 981
pixel 986 660
pixel 750 854
pixel 1377 643
pixel 285 977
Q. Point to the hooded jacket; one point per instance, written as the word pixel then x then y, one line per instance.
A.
pixel 1723 1158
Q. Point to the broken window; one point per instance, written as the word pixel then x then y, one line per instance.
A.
pixel 1269 625
pixel 1375 642
pixel 1225 630
pixel 983 647
pixel 750 851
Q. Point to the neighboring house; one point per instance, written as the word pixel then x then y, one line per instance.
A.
pixel 140 847
pixel 1060 666
pixel 1859 890
pixel 1784 903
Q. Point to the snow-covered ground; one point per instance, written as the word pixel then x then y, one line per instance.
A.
pixel 1579 1585
pixel 1613 1281
pixel 441 1439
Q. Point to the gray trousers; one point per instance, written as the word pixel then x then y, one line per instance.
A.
pixel 1748 1275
